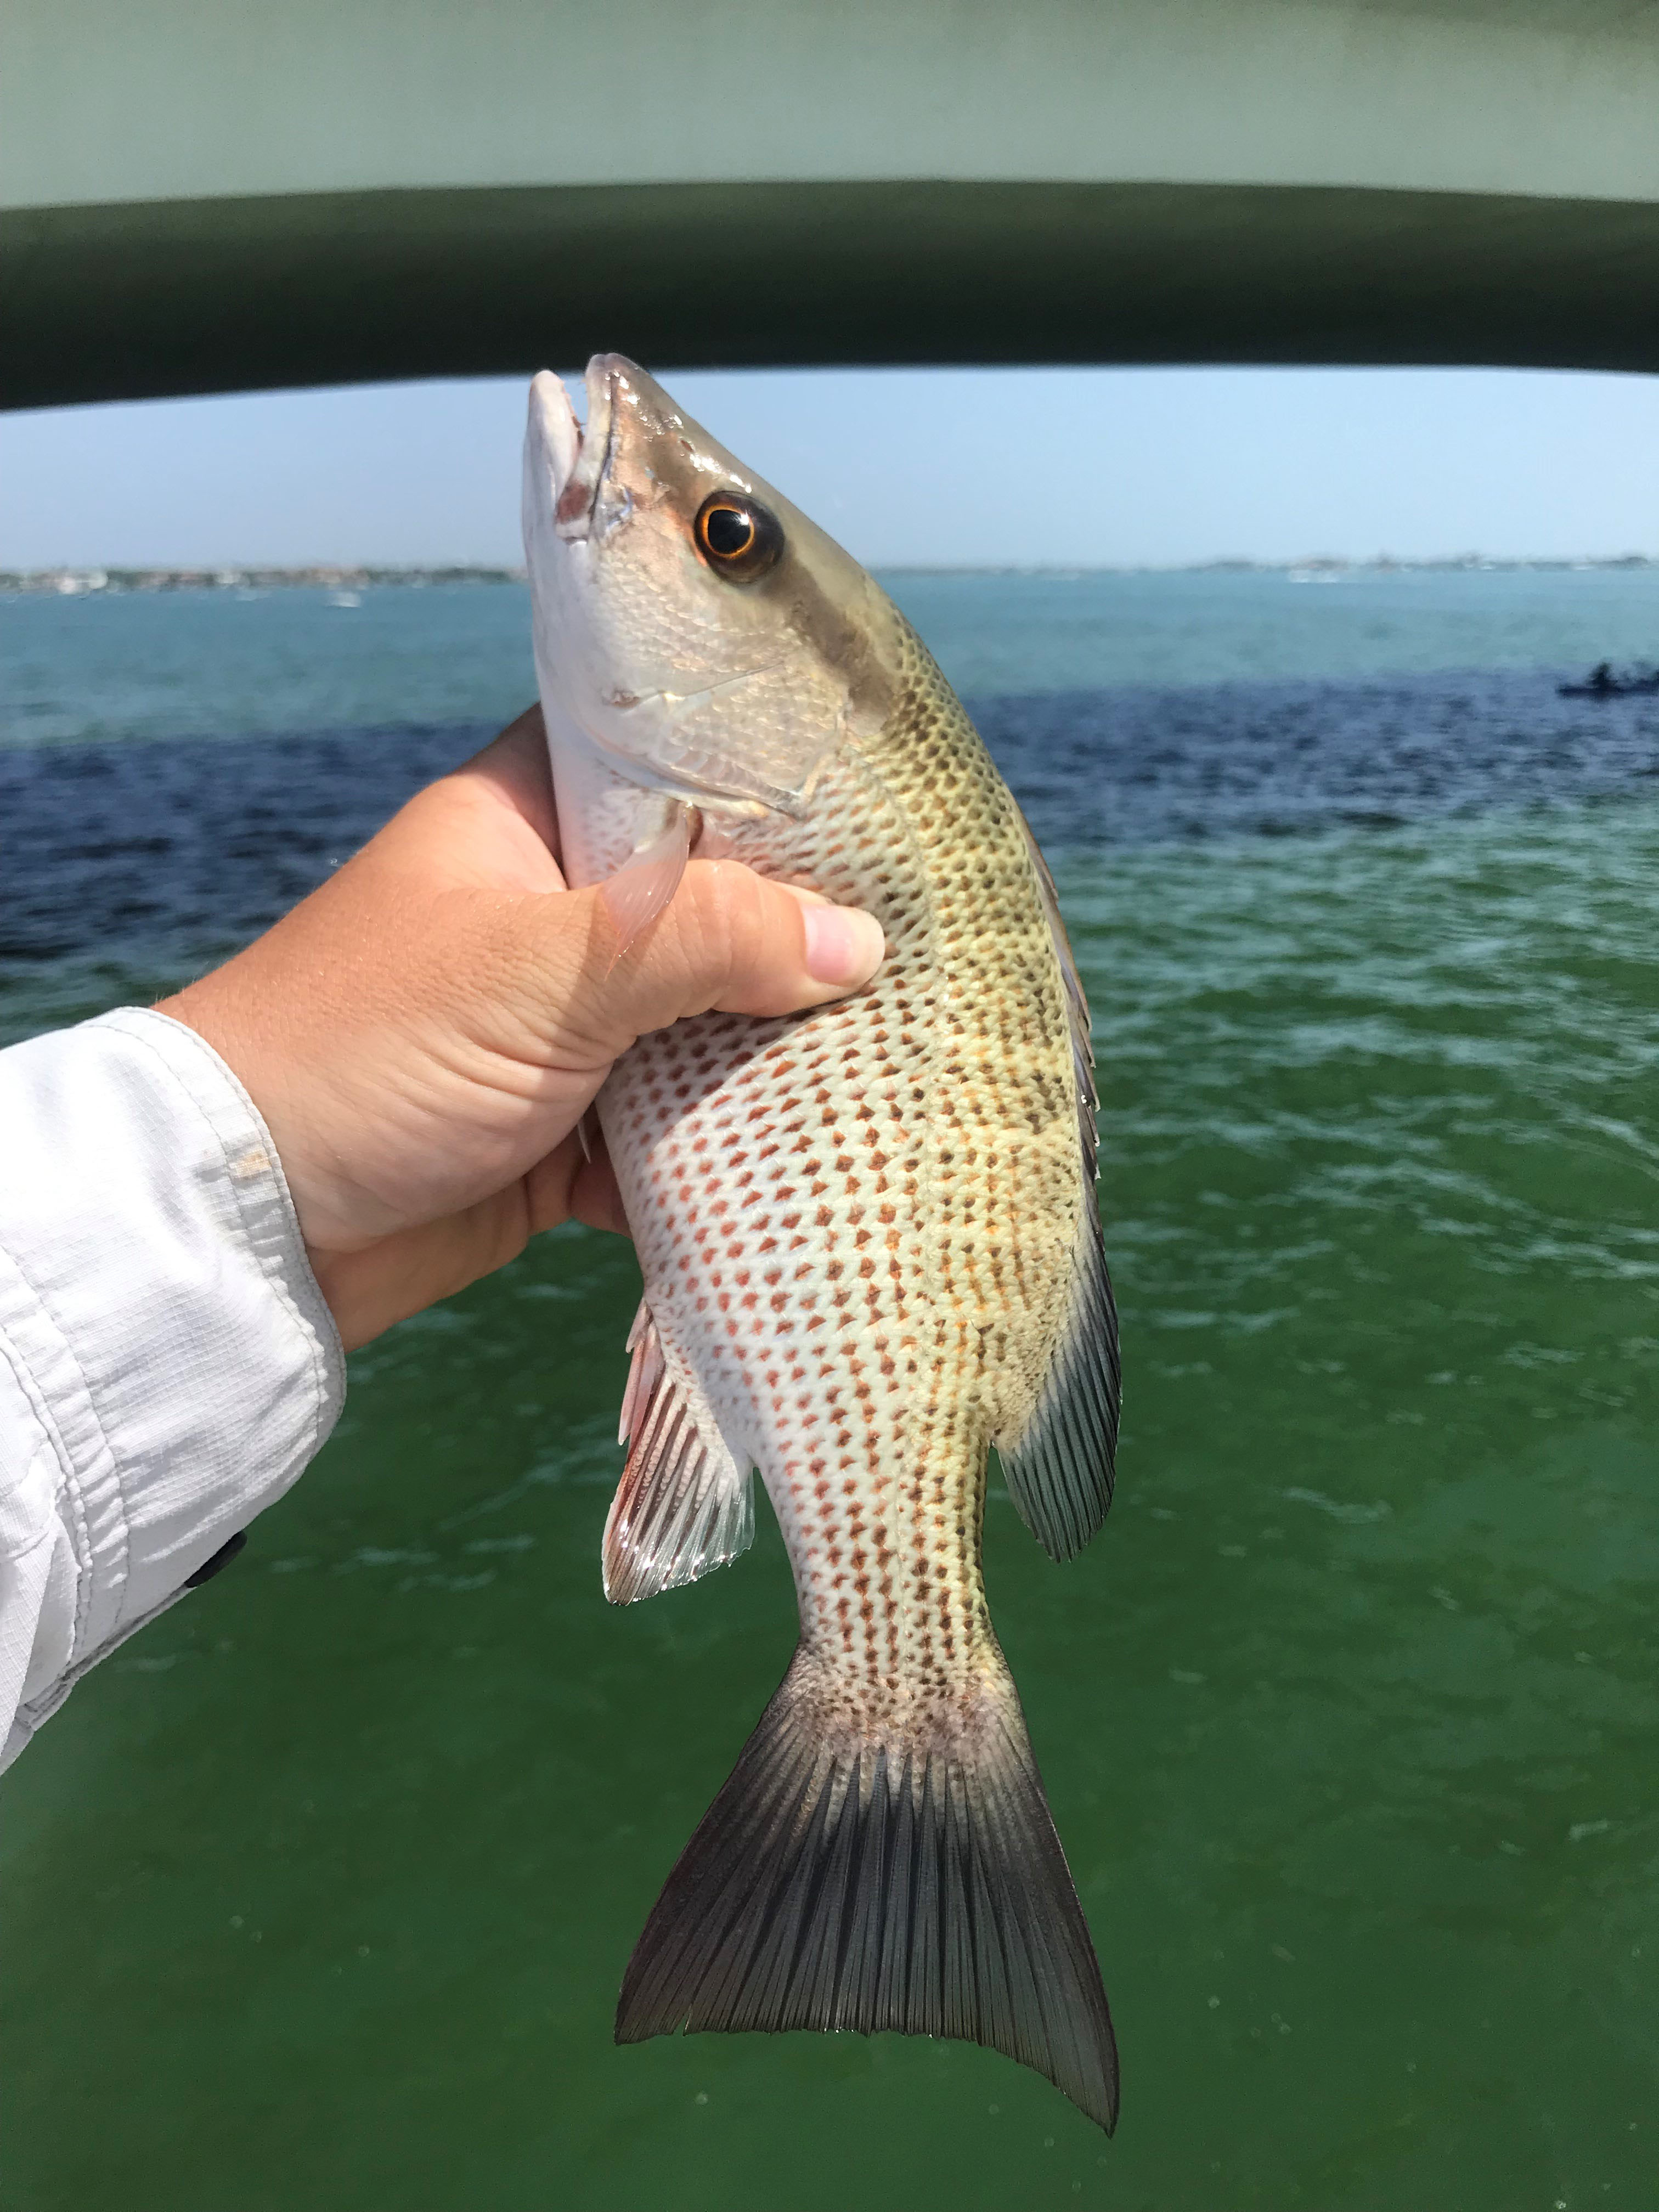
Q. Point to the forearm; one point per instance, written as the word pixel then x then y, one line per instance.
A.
pixel 168 1365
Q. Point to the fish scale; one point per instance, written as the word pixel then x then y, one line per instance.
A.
pixel 868 1239
pixel 839 1211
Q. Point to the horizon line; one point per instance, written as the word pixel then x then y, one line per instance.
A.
pixel 78 578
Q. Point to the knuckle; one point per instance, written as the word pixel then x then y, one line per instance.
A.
pixel 728 918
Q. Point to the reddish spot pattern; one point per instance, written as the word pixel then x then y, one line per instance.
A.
pixel 918 1147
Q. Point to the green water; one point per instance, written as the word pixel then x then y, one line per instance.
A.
pixel 319 1893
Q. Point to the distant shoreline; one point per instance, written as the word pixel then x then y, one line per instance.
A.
pixel 72 582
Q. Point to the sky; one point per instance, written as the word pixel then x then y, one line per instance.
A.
pixel 1063 468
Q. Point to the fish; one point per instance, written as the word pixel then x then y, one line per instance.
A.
pixel 869 1242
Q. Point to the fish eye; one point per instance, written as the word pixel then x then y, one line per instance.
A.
pixel 738 538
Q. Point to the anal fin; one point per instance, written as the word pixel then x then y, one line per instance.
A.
pixel 685 1506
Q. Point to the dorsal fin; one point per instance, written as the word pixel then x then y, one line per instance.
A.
pixel 1076 1003
pixel 683 1506
pixel 1060 1469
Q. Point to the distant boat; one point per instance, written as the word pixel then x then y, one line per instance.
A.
pixel 345 599
pixel 1604 682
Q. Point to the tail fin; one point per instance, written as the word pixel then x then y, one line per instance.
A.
pixel 912 1884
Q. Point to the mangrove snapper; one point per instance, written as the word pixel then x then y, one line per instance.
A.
pixel 869 1244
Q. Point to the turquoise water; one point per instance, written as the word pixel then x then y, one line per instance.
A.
pixel 319 1893
pixel 203 664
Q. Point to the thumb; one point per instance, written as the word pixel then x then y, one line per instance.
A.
pixel 728 940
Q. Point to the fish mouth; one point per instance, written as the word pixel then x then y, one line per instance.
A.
pixel 578 456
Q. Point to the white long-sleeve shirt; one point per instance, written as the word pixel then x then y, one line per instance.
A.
pixel 168 1365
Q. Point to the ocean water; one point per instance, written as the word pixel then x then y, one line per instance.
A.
pixel 319 1893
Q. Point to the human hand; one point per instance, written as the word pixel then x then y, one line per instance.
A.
pixel 423 1034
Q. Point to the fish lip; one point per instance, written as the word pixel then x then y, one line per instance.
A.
pixel 578 485
pixel 555 429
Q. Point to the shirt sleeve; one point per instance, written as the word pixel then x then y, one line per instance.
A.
pixel 167 1364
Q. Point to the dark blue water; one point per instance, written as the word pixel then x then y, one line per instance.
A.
pixel 187 849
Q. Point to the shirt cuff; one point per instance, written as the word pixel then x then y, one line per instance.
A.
pixel 168 1363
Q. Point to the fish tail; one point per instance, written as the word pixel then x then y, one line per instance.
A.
pixel 841 1881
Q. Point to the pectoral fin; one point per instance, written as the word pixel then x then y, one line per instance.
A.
pixel 642 887
pixel 685 1506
